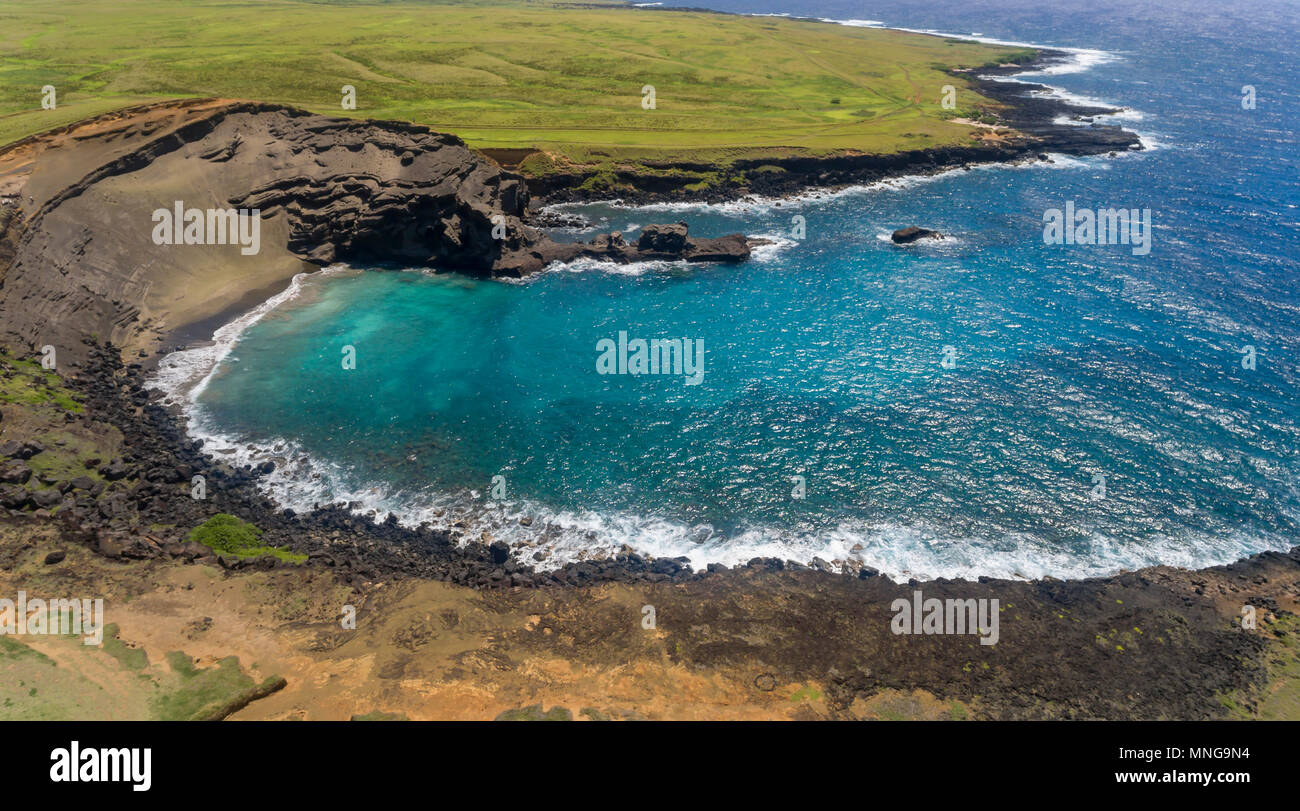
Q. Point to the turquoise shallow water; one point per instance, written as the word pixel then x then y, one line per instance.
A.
pixel 1096 414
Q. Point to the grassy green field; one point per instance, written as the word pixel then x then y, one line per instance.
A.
pixel 507 74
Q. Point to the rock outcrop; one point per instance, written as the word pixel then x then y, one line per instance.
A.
pixel 656 242
pixel 78 255
pixel 912 233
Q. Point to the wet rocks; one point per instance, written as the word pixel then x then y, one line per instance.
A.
pixel 500 552
pixel 912 233
pixel 550 218
pixel 663 240
pixel 671 242
pixel 729 248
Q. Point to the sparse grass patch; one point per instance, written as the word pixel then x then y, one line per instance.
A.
pixel 380 715
pixel 206 693
pixel 127 656
pixel 25 382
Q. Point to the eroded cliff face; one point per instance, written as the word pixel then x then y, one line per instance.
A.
pixel 392 192
pixel 79 248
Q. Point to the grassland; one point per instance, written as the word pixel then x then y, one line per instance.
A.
pixel 505 75
pixel 60 678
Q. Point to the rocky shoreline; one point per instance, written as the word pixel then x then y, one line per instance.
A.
pixel 1158 643
pixel 147 487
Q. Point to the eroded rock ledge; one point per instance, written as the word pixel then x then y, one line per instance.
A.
pixel 442 206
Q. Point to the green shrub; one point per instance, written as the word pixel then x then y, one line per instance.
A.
pixel 227 533
pixel 230 535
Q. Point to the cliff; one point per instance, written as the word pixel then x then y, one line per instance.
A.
pixel 80 208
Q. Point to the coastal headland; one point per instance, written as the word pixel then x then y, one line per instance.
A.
pixel 97 480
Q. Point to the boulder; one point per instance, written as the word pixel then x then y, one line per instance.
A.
pixel 500 552
pixel 731 248
pixel 912 233
pixel 14 496
pixel 45 499
pixel 15 472
pixel 114 470
pixel 21 449
pixel 669 240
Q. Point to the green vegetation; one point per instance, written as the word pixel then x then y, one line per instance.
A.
pixel 12 649
pixel 1279 698
pixel 509 74
pixel 534 712
pixel 117 681
pixel 36 404
pixel 231 535
pixel 128 657
pixel 208 693
pixel 1281 701
pixel 25 382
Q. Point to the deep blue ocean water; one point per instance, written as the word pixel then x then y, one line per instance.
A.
pixel 1096 415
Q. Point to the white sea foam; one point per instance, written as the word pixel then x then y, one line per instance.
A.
pixel 777 244
pixel 854 23
pixel 586 265
pixel 760 205
pixel 1077 60
pixel 554 538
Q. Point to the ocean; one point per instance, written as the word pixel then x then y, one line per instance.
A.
pixel 987 404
